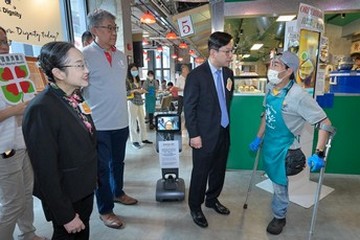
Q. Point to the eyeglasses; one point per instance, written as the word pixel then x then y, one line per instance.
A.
pixel 227 52
pixel 81 66
pixel 110 28
pixel 5 43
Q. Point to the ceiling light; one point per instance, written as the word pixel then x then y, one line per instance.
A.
pixel 246 56
pixel 171 35
pixel 145 41
pixel 180 59
pixel 285 18
pixel 174 56
pixel 256 46
pixel 183 45
pixel 148 18
pixel 159 48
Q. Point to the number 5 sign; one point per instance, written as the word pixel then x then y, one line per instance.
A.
pixel 185 26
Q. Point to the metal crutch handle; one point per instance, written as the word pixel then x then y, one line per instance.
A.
pixel 252 175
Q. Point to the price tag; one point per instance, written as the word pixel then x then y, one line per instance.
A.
pixel 185 26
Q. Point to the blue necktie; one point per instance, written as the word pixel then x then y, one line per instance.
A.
pixel 222 101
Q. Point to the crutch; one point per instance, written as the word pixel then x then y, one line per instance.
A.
pixel 252 176
pixel 331 130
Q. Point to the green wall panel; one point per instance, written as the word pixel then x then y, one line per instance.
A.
pixel 245 120
pixel 344 155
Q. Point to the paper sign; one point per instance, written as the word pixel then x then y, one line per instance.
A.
pixel 15 85
pixel 169 154
pixel 185 26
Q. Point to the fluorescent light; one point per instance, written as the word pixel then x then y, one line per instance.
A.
pixel 246 55
pixel 256 46
pixel 285 18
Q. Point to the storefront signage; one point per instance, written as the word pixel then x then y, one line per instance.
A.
pixel 33 22
pixel 310 18
pixel 185 26
pixel 310 24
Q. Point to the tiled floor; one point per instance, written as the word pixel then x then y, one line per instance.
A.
pixel 338 215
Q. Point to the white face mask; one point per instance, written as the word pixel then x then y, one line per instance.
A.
pixel 273 76
pixel 151 78
pixel 134 73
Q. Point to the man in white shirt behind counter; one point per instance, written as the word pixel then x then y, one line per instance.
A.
pixel 180 85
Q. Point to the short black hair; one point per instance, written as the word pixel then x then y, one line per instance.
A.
pixel 86 36
pixel 53 55
pixel 151 72
pixel 218 40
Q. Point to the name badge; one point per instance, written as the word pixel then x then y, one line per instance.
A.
pixel 84 108
pixel 229 84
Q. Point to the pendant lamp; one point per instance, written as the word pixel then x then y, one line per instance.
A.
pixel 148 18
pixel 183 45
pixel 171 35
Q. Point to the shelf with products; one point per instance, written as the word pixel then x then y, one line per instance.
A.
pixel 249 85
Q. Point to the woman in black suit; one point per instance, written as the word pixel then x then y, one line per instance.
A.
pixel 60 137
pixel 207 95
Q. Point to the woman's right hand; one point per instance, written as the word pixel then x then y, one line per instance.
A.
pixel 75 225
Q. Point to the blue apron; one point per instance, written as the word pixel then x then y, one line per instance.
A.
pixel 277 139
pixel 150 98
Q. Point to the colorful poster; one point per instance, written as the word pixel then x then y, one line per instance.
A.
pixel 308 58
pixel 310 22
pixel 34 22
pixel 15 85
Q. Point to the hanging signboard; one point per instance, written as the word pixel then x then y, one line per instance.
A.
pixel 34 22
pixel 186 27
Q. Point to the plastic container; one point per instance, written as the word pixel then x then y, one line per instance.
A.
pixel 345 81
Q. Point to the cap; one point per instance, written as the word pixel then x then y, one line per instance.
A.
pixel 290 59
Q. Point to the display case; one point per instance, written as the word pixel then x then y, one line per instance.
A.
pixel 249 85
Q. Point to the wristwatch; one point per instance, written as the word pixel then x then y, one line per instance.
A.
pixel 320 153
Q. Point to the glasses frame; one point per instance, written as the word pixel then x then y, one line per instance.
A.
pixel 110 28
pixel 81 66
pixel 227 52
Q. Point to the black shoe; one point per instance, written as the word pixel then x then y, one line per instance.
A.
pixel 199 218
pixel 276 226
pixel 218 207
pixel 147 141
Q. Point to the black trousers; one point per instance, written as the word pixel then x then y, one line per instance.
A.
pixel 180 104
pixel 83 208
pixel 209 168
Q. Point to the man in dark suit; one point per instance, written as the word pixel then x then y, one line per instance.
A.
pixel 207 94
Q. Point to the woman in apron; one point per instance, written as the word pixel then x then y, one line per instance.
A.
pixel 279 127
pixel 151 86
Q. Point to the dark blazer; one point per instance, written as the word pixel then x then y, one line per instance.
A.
pixel 201 104
pixel 62 152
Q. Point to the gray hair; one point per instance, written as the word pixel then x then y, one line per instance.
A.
pixel 97 16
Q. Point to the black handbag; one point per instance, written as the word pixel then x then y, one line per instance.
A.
pixel 294 162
